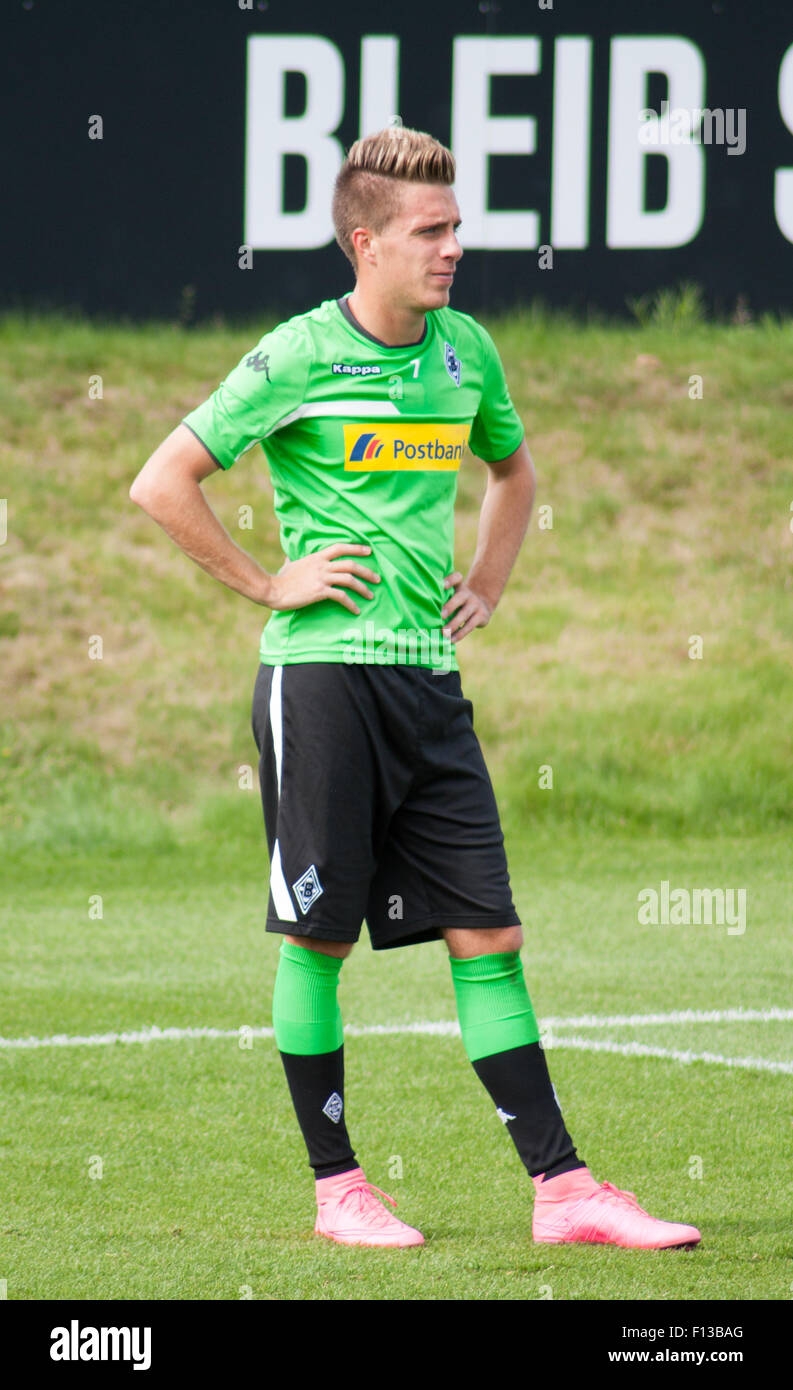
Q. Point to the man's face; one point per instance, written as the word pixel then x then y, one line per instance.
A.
pixel 413 260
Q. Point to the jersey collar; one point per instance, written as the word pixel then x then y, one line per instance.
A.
pixel 348 314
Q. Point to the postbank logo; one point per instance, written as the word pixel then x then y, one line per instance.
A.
pixel 400 445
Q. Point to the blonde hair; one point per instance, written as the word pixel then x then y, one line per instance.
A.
pixel 366 192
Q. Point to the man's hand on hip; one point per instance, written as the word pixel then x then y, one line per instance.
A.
pixel 313 577
pixel 465 610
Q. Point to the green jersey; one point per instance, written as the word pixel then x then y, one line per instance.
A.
pixel 364 443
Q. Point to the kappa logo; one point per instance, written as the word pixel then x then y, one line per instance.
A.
pixel 307 888
pixel 333 1107
pixel 259 362
pixel 504 1115
pixel 366 446
pixel 354 369
pixel 453 363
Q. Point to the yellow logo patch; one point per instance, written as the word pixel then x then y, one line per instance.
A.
pixel 390 445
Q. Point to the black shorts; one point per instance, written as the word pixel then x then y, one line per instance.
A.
pixel 377 804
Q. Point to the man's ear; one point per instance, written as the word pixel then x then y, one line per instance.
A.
pixel 362 241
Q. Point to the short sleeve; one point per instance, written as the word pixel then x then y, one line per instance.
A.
pixel 256 398
pixel 497 429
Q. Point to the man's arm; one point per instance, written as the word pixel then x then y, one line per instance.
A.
pixel 503 521
pixel 168 488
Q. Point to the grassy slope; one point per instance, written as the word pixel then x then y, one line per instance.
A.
pixel 671 517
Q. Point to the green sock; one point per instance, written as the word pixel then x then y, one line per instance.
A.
pixel 310 1038
pixel 306 1014
pixel 493 1004
pixel 501 1038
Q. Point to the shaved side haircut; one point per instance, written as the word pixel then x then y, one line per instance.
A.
pixel 367 188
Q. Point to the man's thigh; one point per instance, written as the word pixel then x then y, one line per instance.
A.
pixel 330 779
pixel 443 864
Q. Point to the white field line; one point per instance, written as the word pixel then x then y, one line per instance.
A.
pixel 636 1049
pixel 138 1035
pixel 548 1028
pixel 770 1015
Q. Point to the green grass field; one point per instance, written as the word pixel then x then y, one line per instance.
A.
pixel 172 1168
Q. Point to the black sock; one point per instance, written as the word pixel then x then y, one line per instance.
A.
pixel 316 1084
pixel 521 1088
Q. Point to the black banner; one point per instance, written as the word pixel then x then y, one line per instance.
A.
pixel 174 158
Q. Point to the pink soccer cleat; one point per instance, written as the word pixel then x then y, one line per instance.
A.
pixel 573 1207
pixel 348 1212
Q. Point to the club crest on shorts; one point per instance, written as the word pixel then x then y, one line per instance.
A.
pixel 307 888
pixel 453 364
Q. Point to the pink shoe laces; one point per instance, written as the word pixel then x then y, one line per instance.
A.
pixel 362 1194
pixel 629 1198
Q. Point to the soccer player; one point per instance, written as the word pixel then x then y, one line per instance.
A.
pixel 377 801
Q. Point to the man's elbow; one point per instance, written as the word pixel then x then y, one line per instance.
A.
pixel 146 490
pixel 139 493
pixel 151 484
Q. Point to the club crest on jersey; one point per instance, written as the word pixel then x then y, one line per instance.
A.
pixel 453 364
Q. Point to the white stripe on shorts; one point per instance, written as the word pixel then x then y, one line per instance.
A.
pixel 283 902
pixel 276 720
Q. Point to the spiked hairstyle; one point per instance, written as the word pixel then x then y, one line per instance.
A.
pixel 366 192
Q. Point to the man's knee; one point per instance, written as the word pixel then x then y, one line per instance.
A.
pixel 339 949
pixel 466 942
